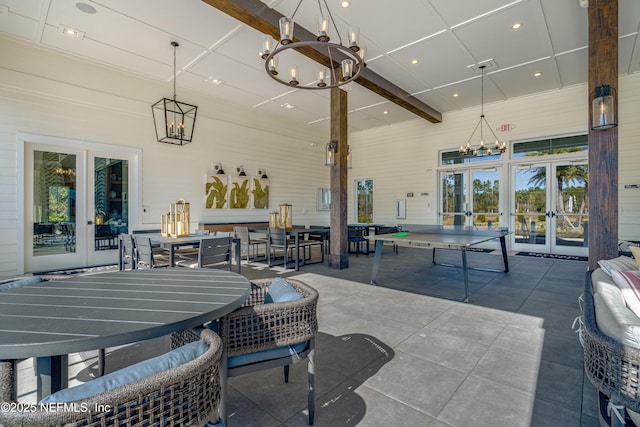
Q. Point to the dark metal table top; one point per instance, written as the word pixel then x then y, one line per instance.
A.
pixel 109 309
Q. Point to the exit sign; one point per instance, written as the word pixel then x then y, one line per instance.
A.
pixel 506 127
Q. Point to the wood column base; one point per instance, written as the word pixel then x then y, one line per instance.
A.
pixel 338 262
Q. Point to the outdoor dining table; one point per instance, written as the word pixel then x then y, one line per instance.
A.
pixel 173 243
pixel 296 233
pixel 49 320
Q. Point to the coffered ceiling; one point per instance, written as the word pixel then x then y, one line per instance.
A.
pixel 424 47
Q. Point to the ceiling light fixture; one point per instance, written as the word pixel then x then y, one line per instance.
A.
pixel 345 3
pixel 174 121
pixel 516 25
pixel 537 74
pixel 482 149
pixel 347 62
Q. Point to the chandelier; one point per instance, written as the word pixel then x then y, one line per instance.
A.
pixel 482 149
pixel 174 121
pixel 344 63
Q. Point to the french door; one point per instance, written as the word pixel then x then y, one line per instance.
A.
pixel 471 197
pixel 549 207
pixel 77 201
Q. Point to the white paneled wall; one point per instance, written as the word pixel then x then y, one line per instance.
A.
pixel 53 95
pixel 48 94
pixel 403 158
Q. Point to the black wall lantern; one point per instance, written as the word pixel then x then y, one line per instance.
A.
pixel 603 114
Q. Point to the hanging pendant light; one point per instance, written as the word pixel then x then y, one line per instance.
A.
pixel 174 120
pixel 347 61
pixel 498 147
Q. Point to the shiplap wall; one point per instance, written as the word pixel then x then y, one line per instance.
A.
pixel 48 94
pixel 403 158
pixel 43 93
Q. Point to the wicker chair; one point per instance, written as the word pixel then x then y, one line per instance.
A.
pixel 187 395
pixel 258 327
pixel 613 368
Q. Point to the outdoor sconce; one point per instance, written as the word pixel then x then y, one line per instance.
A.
pixel 218 169
pixel 604 108
pixel 332 149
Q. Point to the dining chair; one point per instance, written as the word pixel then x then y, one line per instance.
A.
pixel 275 327
pixel 252 245
pixel 128 259
pixel 212 252
pixel 307 241
pixel 277 239
pixel 146 256
pixel 357 236
pixel 180 388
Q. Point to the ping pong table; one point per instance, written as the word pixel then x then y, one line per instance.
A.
pixel 435 237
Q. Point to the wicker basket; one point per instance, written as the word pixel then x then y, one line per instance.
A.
pixel 613 368
pixel 187 395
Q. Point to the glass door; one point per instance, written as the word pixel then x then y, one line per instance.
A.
pixel 110 205
pixel 76 203
pixel 51 209
pixel 471 197
pixel 550 207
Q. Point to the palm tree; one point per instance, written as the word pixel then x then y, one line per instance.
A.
pixel 565 175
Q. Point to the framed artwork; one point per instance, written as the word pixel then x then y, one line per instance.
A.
pixel 216 191
pixel 260 192
pixel 324 199
pixel 239 192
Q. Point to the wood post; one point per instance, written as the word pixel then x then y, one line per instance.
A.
pixel 603 144
pixel 339 249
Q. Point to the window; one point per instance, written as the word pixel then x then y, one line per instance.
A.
pixel 455 158
pixel 543 147
pixel 364 201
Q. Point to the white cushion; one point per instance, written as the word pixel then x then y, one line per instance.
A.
pixel 629 284
pixel 616 320
pixel 622 263
pixel 635 250
pixel 130 374
pixel 602 281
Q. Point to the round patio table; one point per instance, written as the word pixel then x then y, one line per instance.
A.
pixel 49 320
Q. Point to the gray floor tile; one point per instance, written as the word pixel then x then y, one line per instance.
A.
pixel 483 403
pixel 390 355
pixel 479 330
pixel 440 347
pixel 505 367
pixel 416 382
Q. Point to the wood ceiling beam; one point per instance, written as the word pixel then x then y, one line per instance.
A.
pixel 259 16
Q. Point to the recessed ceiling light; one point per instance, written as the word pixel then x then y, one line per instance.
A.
pixel 213 80
pixel 455 95
pixel 414 61
pixel 71 32
pixel 516 25
pixel 385 112
pixel 86 8
pixel 287 106
pixel 345 3
pixel 537 74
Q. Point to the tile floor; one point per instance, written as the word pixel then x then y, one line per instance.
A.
pixel 392 355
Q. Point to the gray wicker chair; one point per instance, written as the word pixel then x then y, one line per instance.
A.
pixel 257 327
pixel 613 368
pixel 187 395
